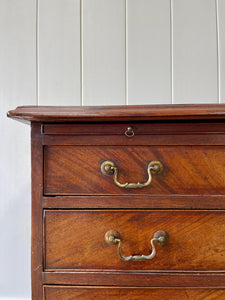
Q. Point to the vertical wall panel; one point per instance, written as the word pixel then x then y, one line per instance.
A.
pixel 59 52
pixel 194 51
pixel 148 54
pixel 103 54
pixel 221 43
pixel 17 87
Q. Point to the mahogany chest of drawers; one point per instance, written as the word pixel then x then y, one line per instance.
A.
pixel 127 202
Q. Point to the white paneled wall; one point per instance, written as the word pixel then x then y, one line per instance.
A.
pixel 101 52
pixel 148 52
pixel 194 51
pixel 17 87
pixel 94 52
pixel 58 53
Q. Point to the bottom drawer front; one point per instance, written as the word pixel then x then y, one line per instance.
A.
pixel 103 293
pixel 76 240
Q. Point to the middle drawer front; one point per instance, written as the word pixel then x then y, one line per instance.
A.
pixel 76 239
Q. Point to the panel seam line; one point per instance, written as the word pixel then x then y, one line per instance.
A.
pixel 37 52
pixel 126 55
pixel 171 54
pixel 218 52
pixel 81 53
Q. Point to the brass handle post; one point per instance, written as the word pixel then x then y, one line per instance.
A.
pixel 112 237
pixel 108 167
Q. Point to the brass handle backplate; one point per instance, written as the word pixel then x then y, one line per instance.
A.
pixel 108 167
pixel 112 237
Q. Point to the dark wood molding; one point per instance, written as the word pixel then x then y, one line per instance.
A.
pixel 118 113
pixel 36 204
pixel 136 202
pixel 136 279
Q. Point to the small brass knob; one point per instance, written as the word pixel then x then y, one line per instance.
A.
pixel 129 132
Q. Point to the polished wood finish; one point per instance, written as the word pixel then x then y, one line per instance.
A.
pixel 37 214
pixel 137 201
pixel 74 204
pixel 102 293
pixel 135 278
pixel 145 140
pixel 138 128
pixel 186 170
pixel 118 113
pixel 72 242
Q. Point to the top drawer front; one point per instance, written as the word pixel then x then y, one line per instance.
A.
pixel 147 128
pixel 161 133
pixel 187 170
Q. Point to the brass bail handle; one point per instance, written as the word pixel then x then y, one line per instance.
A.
pixel 108 167
pixel 160 237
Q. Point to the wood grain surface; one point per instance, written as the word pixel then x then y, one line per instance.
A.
pixel 37 213
pixel 124 293
pixel 139 128
pixel 187 170
pixel 135 278
pixel 137 201
pixel 75 239
pixel 118 113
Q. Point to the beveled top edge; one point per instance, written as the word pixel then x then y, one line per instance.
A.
pixel 58 114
